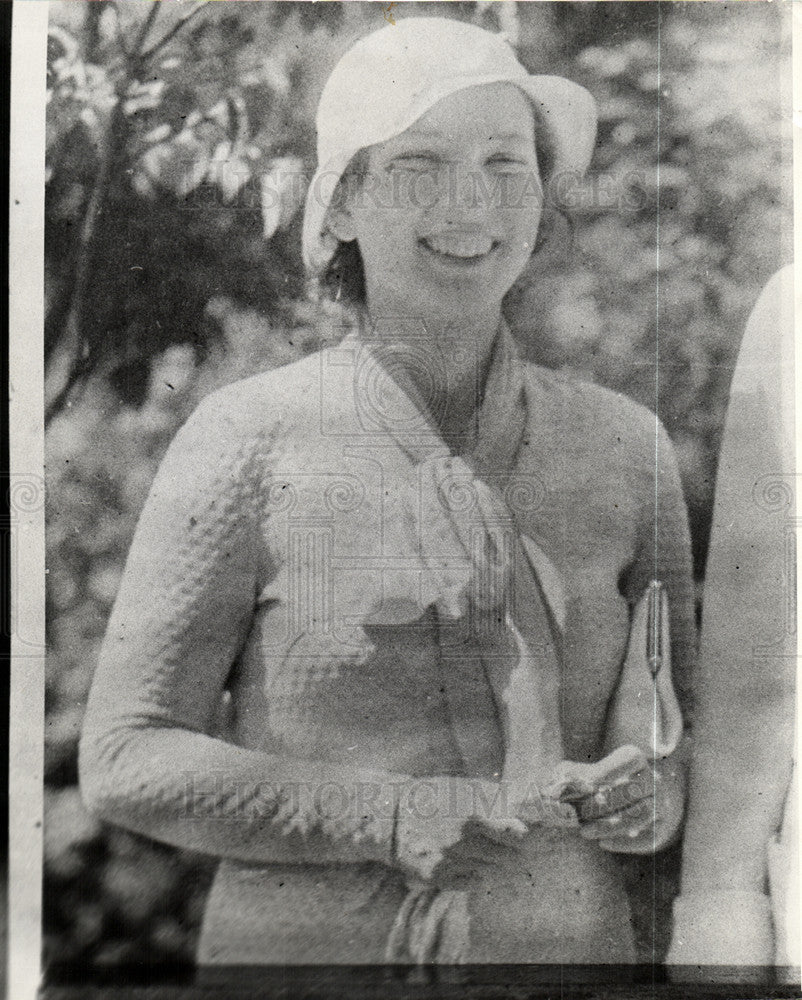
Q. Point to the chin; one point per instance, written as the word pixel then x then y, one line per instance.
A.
pixel 430 292
pixel 475 291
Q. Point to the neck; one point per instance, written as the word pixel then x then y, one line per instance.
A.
pixel 453 351
pixel 446 362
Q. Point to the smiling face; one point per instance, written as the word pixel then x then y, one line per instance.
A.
pixel 445 214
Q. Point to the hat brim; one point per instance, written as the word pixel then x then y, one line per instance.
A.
pixel 567 114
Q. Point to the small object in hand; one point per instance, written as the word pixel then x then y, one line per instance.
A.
pixel 630 822
pixel 611 799
pixel 577 782
pixel 617 782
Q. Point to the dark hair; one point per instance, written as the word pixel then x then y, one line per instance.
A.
pixel 344 277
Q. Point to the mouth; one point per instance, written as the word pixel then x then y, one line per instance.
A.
pixel 463 248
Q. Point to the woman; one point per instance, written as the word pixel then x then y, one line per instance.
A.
pixel 412 561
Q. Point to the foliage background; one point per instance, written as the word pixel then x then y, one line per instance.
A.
pixel 173 267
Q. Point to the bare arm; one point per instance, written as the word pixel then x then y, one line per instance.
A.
pixel 742 754
pixel 743 739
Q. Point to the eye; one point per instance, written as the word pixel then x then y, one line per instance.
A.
pixel 505 162
pixel 416 162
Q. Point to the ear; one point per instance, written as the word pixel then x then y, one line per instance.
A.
pixel 340 222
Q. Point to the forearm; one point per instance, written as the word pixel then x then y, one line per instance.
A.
pixel 739 779
pixel 200 793
pixel 723 916
pixel 196 792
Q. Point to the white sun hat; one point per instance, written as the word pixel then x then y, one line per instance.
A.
pixel 390 78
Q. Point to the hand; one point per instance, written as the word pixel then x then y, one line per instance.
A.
pixel 588 791
pixel 439 815
pixel 641 815
pixel 575 786
pixel 535 809
pixel 721 935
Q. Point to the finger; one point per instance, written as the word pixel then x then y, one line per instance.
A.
pixel 626 845
pixel 609 800
pixel 572 780
pixel 619 766
pixel 547 812
pixel 629 822
pixel 560 814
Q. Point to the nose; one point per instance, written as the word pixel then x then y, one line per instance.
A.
pixel 468 198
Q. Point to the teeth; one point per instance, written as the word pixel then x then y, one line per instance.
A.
pixel 460 245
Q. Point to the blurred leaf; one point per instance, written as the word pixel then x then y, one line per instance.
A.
pixel 179 165
pixel 282 194
pixel 605 61
pixel 139 886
